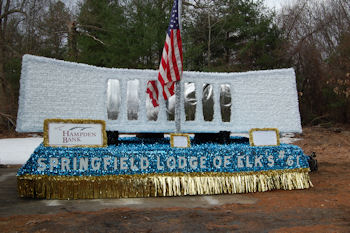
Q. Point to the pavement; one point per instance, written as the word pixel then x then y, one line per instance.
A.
pixel 11 204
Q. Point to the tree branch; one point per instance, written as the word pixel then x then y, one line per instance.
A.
pixel 92 27
pixel 14 51
pixel 93 37
pixel 189 4
pixel 12 12
pixel 9 118
pixel 296 17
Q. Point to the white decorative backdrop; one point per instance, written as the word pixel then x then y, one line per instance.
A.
pixel 57 89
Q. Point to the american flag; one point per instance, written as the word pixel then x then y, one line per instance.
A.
pixel 170 68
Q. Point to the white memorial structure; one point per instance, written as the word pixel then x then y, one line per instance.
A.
pixel 58 89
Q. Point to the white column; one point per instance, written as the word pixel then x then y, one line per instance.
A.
pixel 142 115
pixel 216 99
pixel 182 102
pixel 232 103
pixel 162 109
pixel 123 116
pixel 199 96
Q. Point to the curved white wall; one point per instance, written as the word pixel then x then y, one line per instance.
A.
pixel 57 89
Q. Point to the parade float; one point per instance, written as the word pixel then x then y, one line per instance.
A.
pixel 140 167
pixel 82 110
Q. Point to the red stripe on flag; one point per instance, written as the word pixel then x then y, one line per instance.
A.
pixel 160 79
pixel 172 88
pixel 152 91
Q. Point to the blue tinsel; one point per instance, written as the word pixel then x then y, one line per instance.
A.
pixel 132 150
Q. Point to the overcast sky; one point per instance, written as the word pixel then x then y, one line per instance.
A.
pixel 277 4
pixel 273 4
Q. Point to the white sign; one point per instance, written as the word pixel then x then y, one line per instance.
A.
pixel 74 133
pixel 264 137
pixel 180 140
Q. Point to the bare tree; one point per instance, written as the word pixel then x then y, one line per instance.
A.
pixel 8 8
pixel 53 30
pixel 317 33
pixel 212 11
pixel 36 27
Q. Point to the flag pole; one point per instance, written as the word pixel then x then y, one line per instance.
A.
pixel 177 84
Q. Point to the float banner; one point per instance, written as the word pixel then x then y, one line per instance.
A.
pixel 135 156
pixel 145 168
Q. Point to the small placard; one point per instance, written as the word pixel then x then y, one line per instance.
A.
pixel 74 133
pixel 180 140
pixel 264 137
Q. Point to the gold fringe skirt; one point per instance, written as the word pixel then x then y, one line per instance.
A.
pixel 154 185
